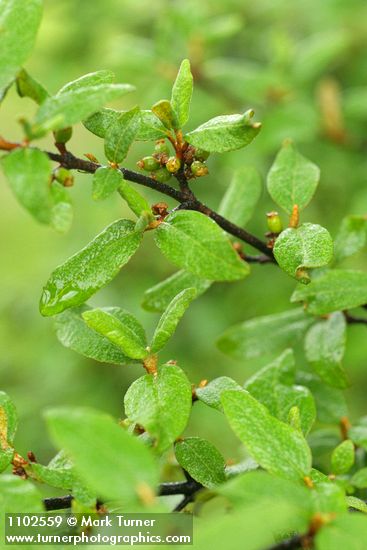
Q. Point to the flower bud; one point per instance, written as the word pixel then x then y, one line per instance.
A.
pixel 200 154
pixel 63 135
pixel 161 147
pixel 274 222
pixel 173 164
pixel 64 176
pixel 161 175
pixel 149 164
pixel 199 169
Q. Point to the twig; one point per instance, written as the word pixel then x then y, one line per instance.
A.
pixel 68 160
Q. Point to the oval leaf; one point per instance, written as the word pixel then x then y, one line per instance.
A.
pixel 121 134
pixel 113 463
pixel 202 460
pixel 161 404
pixel 225 133
pixel 276 446
pixel 170 318
pixel 73 282
pixel 308 246
pixel 182 92
pixel 196 243
pixel 125 333
pixel 292 179
pixel 106 180
pixel 241 197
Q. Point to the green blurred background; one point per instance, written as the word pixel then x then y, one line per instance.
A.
pixel 301 65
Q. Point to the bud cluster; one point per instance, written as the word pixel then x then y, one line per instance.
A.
pixel 162 166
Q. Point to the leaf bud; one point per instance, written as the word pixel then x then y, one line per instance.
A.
pixel 199 169
pixel 150 164
pixel 274 222
pixel 161 175
pixel 173 164
pixel 63 176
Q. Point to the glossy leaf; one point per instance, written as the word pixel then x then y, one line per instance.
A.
pixel 62 208
pixel 78 100
pixel 246 340
pixel 334 290
pixel 74 333
pixel 342 458
pixel 161 404
pixel 29 173
pixel 170 318
pixel 331 405
pixel 112 462
pixel 351 237
pixel 242 196
pixel 276 446
pixel 159 296
pixel 297 250
pixel 292 179
pixel 73 282
pixel 29 87
pixel 225 133
pixel 61 478
pixel 164 112
pixel 19 22
pixel 136 202
pixel 196 243
pixel 106 180
pixel 202 460
pixel 150 126
pixel 211 393
pixel 125 332
pixel 182 92
pixel 121 134
pixel 325 347
pixel 273 386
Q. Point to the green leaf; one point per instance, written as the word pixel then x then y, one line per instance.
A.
pixel 253 486
pixel 297 250
pixel 202 460
pixel 182 93
pixel 212 392
pixel 273 387
pixel 112 462
pixel 74 333
pixel 121 134
pixel 357 504
pixel 242 196
pixel 225 133
pixel 8 428
pixel 328 498
pixel 150 126
pixel 292 179
pixel 330 402
pixel 351 237
pixel 276 446
pixel 126 333
pixel 347 531
pixel 333 290
pixel 77 101
pixel 164 112
pixel 29 172
pixel 196 243
pixel 18 495
pixel 325 347
pixel 106 180
pixel 19 22
pixel 358 434
pixel 159 296
pixel 61 478
pixel 168 322
pixel 161 404
pixel 359 479
pixel 136 202
pixel 342 458
pixel 246 340
pixel 73 282
pixel 29 87
pixel 88 80
pixel 62 209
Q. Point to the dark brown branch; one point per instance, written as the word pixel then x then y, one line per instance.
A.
pixel 184 197
pixel 352 320
pixel 187 488
pixel 293 543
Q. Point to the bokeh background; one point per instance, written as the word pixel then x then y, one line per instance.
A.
pixel 301 65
